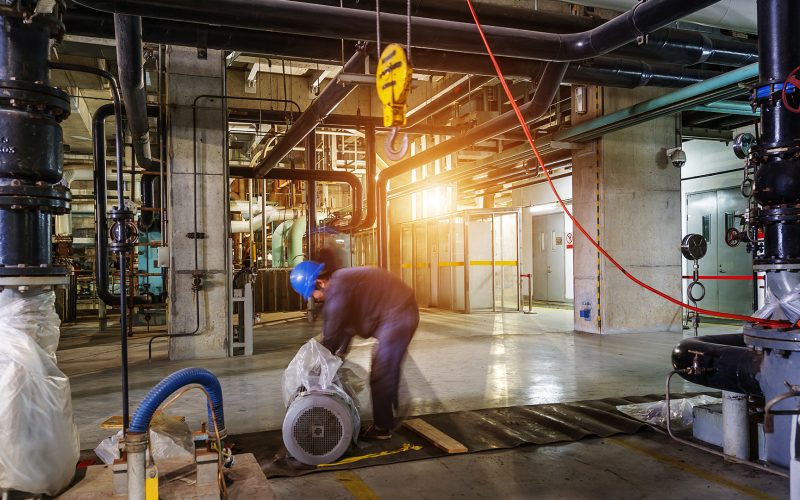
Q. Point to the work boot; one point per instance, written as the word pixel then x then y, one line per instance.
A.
pixel 373 433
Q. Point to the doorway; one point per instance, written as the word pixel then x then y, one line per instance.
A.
pixel 549 252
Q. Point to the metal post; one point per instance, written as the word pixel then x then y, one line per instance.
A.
pixel 735 425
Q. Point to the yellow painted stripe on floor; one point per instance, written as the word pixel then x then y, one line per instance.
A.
pixel 452 264
pixel 496 263
pixel 355 485
pixel 691 469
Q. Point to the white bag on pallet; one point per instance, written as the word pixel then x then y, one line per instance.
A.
pixel 40 444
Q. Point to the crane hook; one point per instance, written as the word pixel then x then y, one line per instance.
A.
pixel 391 152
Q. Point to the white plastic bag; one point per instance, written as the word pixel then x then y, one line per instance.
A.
pixel 681 415
pixel 39 444
pixel 169 439
pixel 786 308
pixel 313 367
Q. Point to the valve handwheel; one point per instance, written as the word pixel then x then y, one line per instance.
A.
pixel 732 237
pixel 795 81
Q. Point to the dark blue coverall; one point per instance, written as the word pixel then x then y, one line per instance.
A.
pixel 371 302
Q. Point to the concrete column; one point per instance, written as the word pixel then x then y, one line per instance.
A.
pixel 190 77
pixel 627 195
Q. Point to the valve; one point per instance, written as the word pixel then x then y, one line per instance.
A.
pixel 393 83
pixel 792 79
pixel 733 237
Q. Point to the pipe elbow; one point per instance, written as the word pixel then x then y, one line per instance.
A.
pixel 181 378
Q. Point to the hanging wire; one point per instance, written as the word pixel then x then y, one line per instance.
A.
pixel 378 29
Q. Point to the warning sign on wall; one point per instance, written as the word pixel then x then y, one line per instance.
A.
pixel 569 241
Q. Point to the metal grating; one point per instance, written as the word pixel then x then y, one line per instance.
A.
pixel 317 431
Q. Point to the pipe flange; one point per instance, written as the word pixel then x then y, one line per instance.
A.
pixel 53 199
pixel 777 215
pixel 771 338
pixel 24 270
pixel 41 97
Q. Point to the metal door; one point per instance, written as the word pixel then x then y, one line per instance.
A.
pixel 480 251
pixel 548 258
pixel 701 215
pixel 735 295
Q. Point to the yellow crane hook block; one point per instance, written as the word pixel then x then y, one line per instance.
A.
pixel 393 83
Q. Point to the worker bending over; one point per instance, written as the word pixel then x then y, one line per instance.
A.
pixel 368 302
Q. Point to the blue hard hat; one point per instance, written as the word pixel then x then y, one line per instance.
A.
pixel 304 277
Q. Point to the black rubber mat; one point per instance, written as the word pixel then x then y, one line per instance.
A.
pixel 478 430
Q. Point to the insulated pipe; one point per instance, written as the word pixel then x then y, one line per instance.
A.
pixel 279 237
pixel 100 186
pixel 273 214
pixel 294 254
pixel 542 98
pixel 130 62
pixel 321 107
pixel 313 175
pixel 334 22
pixel 724 362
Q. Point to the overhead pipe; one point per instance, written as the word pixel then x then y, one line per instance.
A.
pixel 100 193
pixel 321 107
pixel 130 62
pixel 272 214
pixel 255 115
pixel 709 50
pixel 291 174
pixel 300 18
pixel 542 98
pixel 463 90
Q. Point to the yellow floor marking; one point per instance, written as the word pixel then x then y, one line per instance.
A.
pixel 355 485
pixel 695 471
pixel 350 460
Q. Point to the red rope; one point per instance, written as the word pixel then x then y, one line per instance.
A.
pixel 577 224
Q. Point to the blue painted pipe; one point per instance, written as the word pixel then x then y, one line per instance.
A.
pixel 170 384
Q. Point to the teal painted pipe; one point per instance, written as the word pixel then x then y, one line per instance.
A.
pixel 714 89
pixel 295 242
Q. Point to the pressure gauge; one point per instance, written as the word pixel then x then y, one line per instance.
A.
pixel 694 246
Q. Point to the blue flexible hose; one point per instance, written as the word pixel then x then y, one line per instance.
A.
pixel 170 384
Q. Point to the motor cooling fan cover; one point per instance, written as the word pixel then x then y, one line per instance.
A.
pixel 318 427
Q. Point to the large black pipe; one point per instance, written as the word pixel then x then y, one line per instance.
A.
pixel 627 73
pixel 297 174
pixel 321 107
pixel 372 169
pixel 777 178
pixel 100 193
pixel 542 98
pixel 333 22
pixel 724 363
pixel 130 63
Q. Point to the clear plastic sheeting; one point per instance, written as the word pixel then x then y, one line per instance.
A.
pixel 681 415
pixel 786 308
pixel 170 439
pixel 40 443
pixel 315 368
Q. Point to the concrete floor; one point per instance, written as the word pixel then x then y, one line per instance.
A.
pixel 456 362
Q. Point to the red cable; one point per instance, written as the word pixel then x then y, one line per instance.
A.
pixel 764 322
